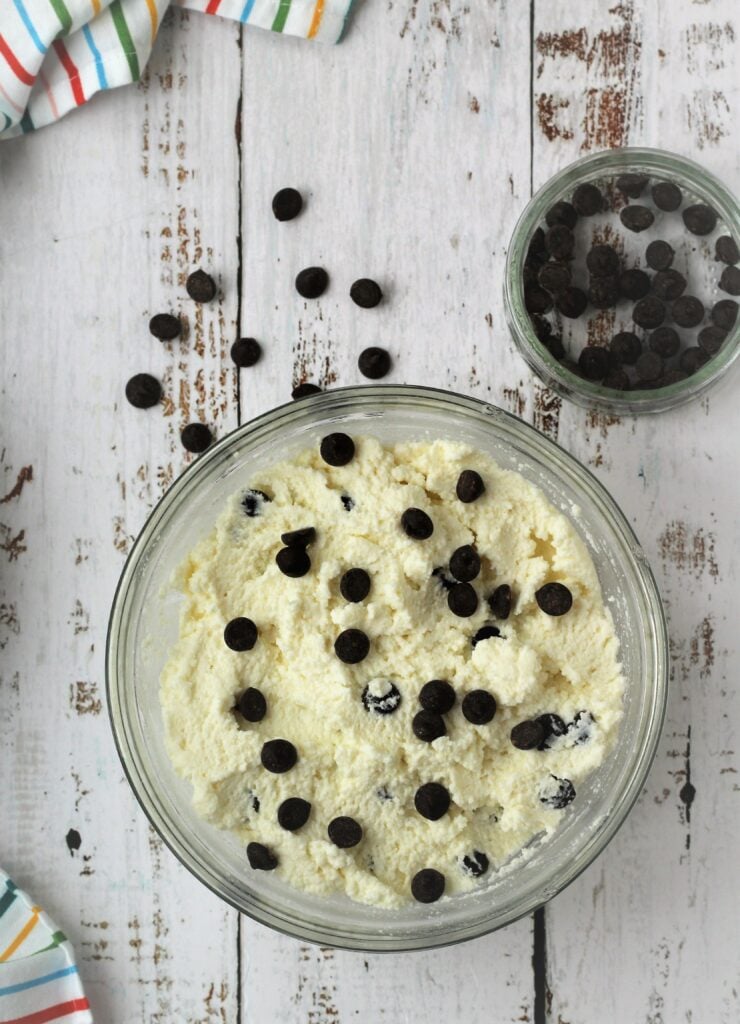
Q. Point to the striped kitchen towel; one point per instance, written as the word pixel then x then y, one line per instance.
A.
pixel 56 54
pixel 39 982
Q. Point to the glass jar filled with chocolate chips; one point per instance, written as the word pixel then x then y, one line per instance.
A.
pixel 622 283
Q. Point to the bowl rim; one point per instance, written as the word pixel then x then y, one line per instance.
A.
pixel 643 757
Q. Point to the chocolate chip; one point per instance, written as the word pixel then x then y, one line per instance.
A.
pixel 561 213
pixel 287 203
pixel 438 696
pixel 626 346
pixel 374 363
pixel 536 299
pixel 345 832
pixel 366 293
pixel 692 359
pixel 631 184
pixel 354 585
pixel 432 801
pixel 649 312
pixel 726 249
pixel 659 255
pixel 165 326
pixel 553 277
pixel 304 390
pixel 555 347
pixel 278 756
pixel 428 726
pixel 571 302
pixel 384 703
pixel 616 380
pixel 730 281
pixel 500 601
pixel 312 282
pixel 634 284
pixel 462 600
pixel 527 735
pixel 299 538
pixel 253 501
pixel 688 311
pixel 246 352
pixel 465 563
pixel 347 502
pixel 293 813
pixel 671 377
pixel 711 339
pixel 486 633
pixel 196 437
pixel 417 524
pixel 240 634
pixel 724 314
pixel 581 728
pixel 603 292
pixel 352 646
pixel 700 219
pixel 537 250
pixel 560 242
pixel 427 885
pixel 475 864
pixel 559 793
pixel 667 196
pixel 261 858
pixel 587 200
pixel 593 362
pixel 143 391
pixel 337 449
pixel 552 727
pixel 200 286
pixel 470 486
pixel 479 707
pixel 602 261
pixel 665 341
pixel 554 599
pixel 293 562
pixel 542 327
pixel 669 284
pixel 649 366
pixel 636 218
pixel 252 705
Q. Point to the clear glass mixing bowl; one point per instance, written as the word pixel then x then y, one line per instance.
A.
pixel 144 624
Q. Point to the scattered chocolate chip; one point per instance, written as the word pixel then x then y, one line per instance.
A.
pixel 636 218
pixel 444 580
pixel 649 312
pixel 659 255
pixel 603 292
pixel 165 326
pixel 438 696
pixel 475 864
pixel 536 299
pixel 299 538
pixel 571 302
pixel 553 277
pixel 196 437
pixel 616 380
pixel 485 633
pixel 669 284
pixel 337 449
pixel 417 524
pixel 253 501
pixel 479 707
pixel 671 377
pixel 312 282
pixel 581 728
pixel 561 213
pixel 366 293
pixel 602 261
pixel 554 599
pixel 692 359
pixel 293 813
pixel 688 311
pixel 593 362
pixel 427 885
pixel 240 634
pixel 304 390
pixel 293 562
pixel 536 250
pixel 726 249
pixel 700 219
pixel 667 196
pixel 555 347
pixel 558 793
pixel 347 502
pixel 552 727
pixel 634 284
pixel 500 601
pixel 626 346
pixel 631 184
pixel 665 341
pixel 730 281
pixel 354 585
pixel 649 366
pixel 261 858
pixel 381 704
pixel 246 352
pixel 470 486
pixel 462 600
pixel 345 832
pixel 432 801
pixel 560 242
pixel 428 726
pixel 143 391
pixel 287 203
pixel 278 756
pixel 200 286
pixel 465 563
pixel 542 327
pixel 374 363
pixel 527 735
pixel 724 314
pixel 711 339
pixel 587 200
pixel 252 705
pixel 352 646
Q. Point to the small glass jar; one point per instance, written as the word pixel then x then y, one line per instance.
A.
pixel 602 169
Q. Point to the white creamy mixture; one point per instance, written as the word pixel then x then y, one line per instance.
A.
pixel 351 760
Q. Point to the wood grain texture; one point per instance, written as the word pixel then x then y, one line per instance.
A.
pixel 416 143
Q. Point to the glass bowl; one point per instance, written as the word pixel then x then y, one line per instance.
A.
pixel 144 625
pixel 694 256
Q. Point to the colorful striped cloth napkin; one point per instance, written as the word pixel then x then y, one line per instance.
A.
pixel 39 982
pixel 56 54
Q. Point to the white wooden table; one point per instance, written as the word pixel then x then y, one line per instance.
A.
pixel 417 142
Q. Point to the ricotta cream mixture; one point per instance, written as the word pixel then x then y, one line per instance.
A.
pixel 361 750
